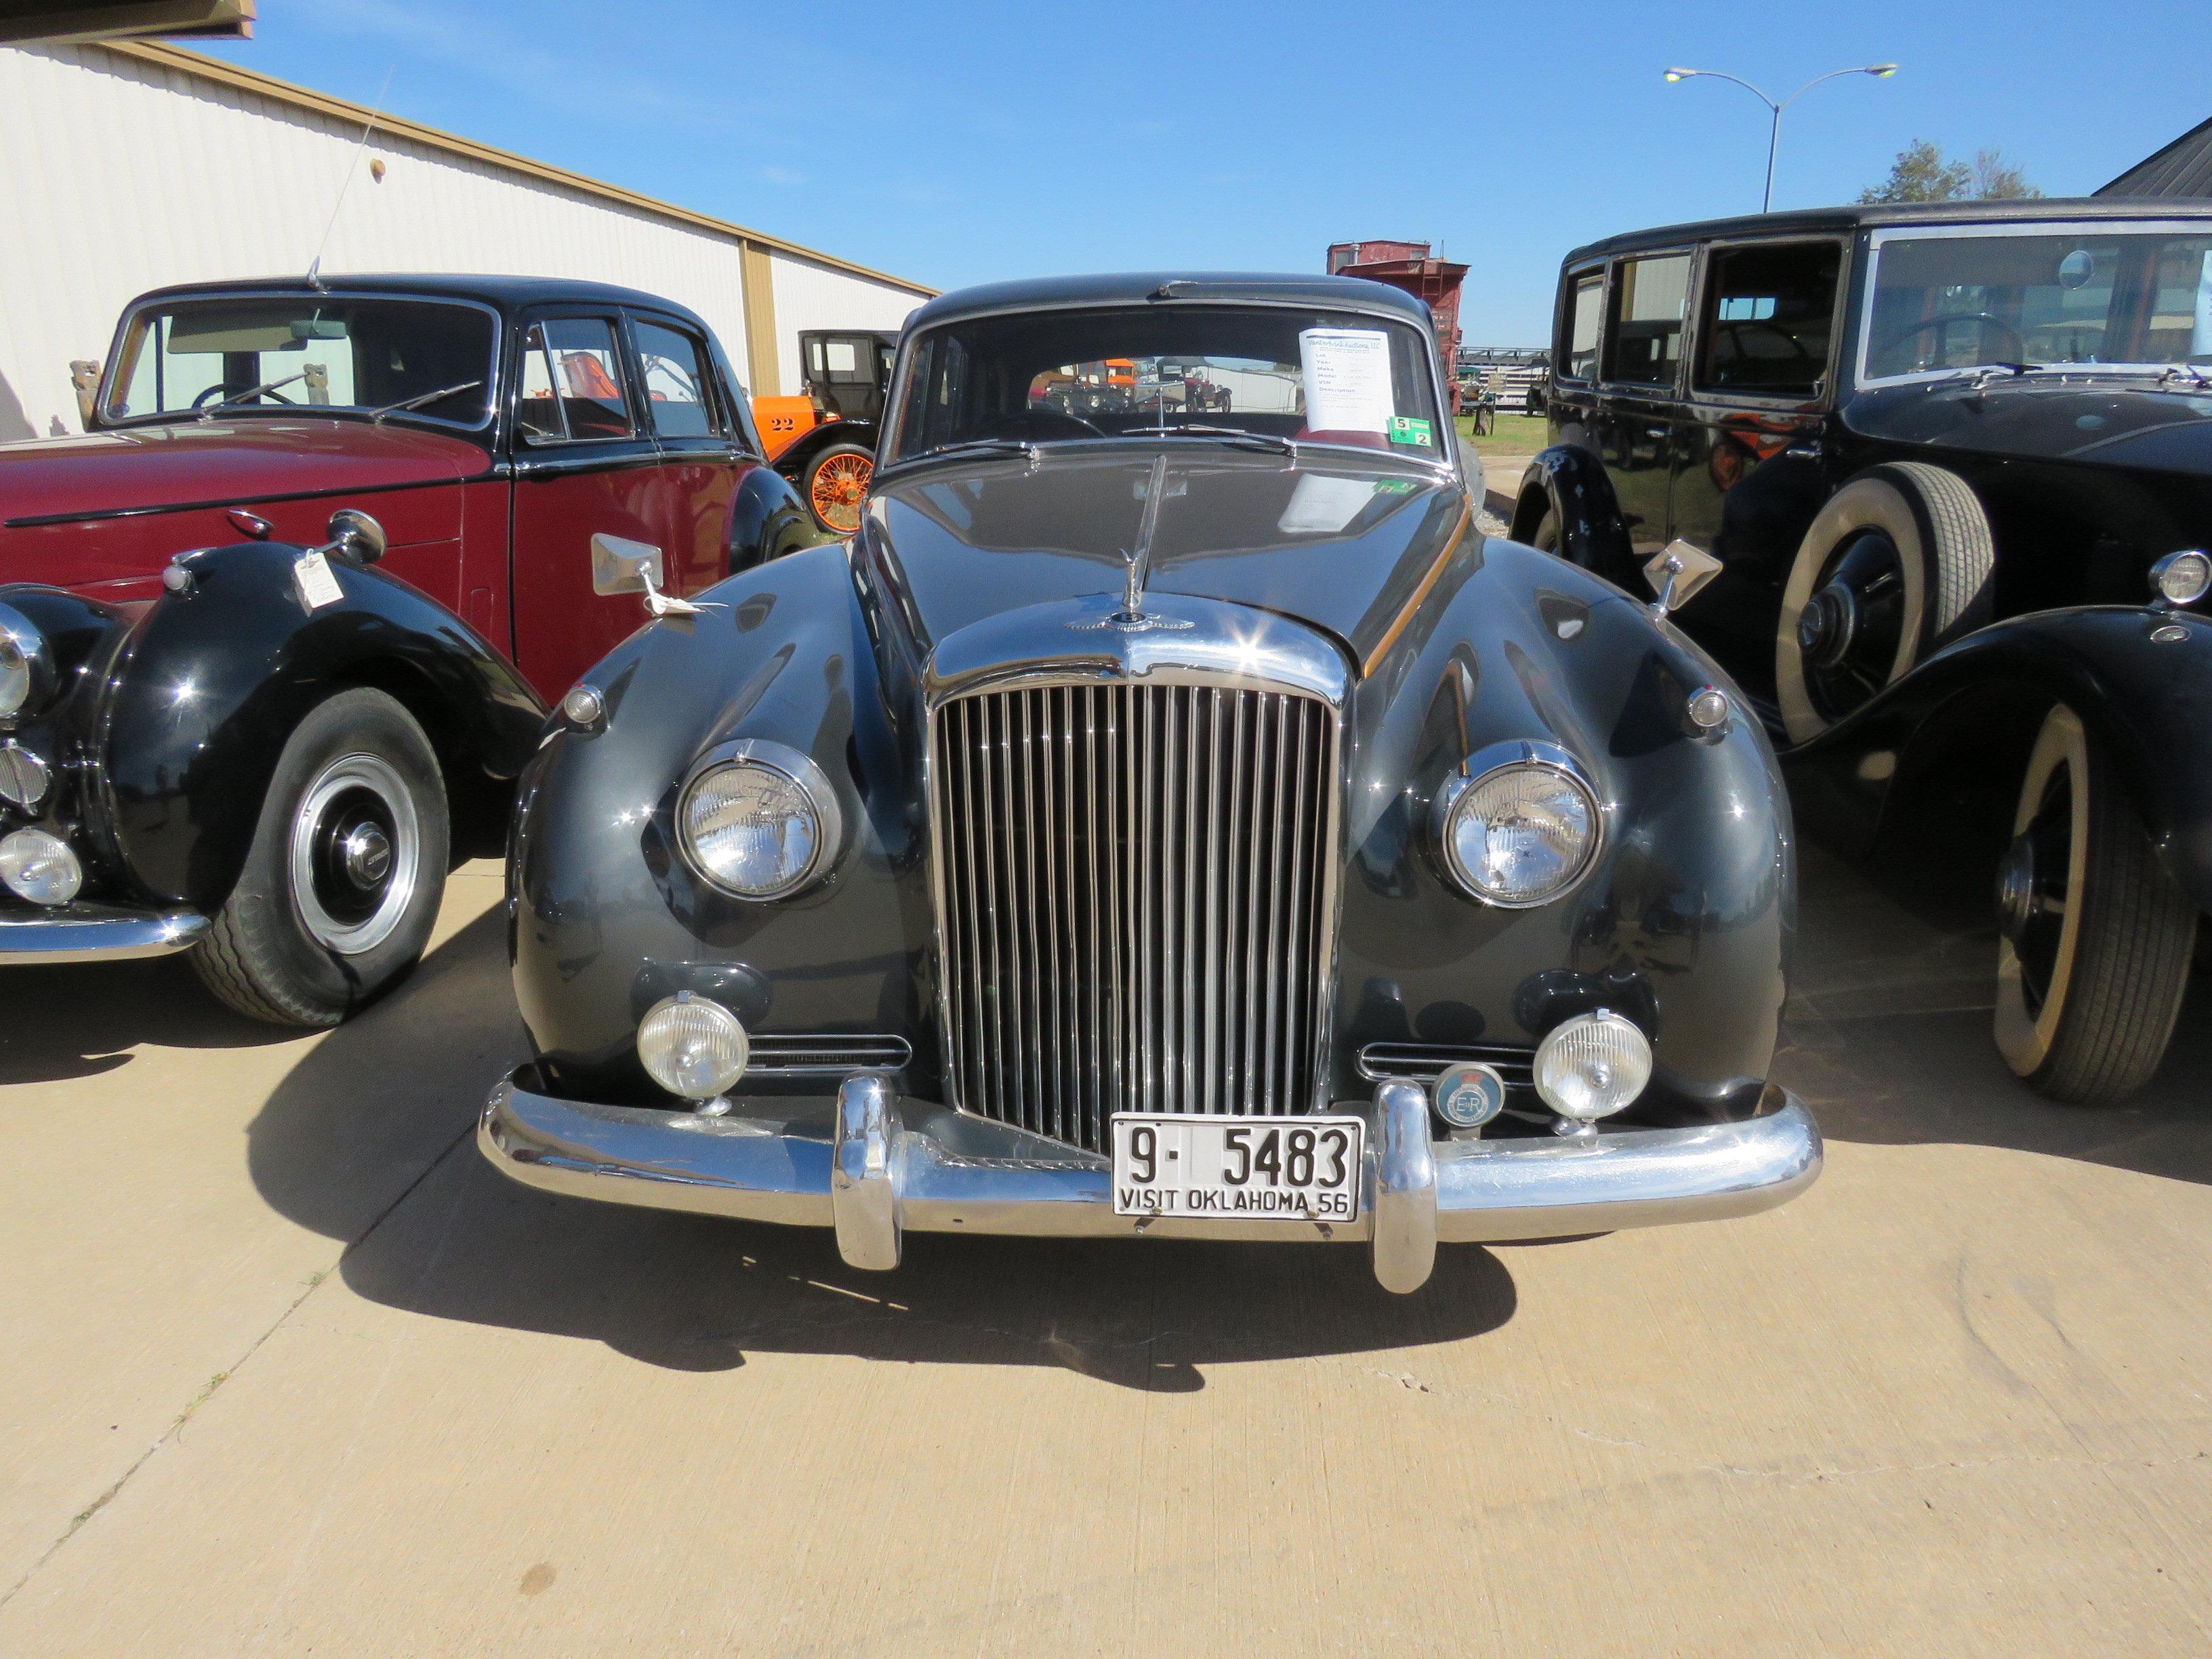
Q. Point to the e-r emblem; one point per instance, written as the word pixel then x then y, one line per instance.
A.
pixel 1469 1094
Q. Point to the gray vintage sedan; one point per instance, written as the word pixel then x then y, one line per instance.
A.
pixel 1158 821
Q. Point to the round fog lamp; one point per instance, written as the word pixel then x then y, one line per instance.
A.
pixel 692 1048
pixel 2183 577
pixel 40 867
pixel 1592 1066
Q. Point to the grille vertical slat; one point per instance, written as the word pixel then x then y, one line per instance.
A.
pixel 1131 883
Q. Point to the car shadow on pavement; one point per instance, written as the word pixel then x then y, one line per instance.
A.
pixel 370 1140
pixel 80 1019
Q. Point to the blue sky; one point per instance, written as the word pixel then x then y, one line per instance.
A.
pixel 964 142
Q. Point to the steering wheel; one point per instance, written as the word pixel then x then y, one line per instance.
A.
pixel 1728 331
pixel 1027 419
pixel 2018 345
pixel 215 391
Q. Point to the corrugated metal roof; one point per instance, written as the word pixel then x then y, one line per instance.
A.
pixel 2184 167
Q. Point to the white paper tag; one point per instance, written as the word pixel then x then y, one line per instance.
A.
pixel 318 584
pixel 1347 376
pixel 1322 505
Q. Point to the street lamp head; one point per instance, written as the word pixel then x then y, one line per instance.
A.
pixel 1681 74
pixel 1881 71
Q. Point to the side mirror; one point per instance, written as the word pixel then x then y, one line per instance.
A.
pixel 356 535
pixel 622 566
pixel 1677 574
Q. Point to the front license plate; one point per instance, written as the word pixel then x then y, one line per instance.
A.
pixel 1280 1169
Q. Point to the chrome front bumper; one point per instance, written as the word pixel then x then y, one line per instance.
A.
pixel 93 933
pixel 874 1167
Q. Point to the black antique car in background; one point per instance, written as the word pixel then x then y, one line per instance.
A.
pixel 1174 821
pixel 1954 462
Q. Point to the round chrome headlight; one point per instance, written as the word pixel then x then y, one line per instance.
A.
pixel 2183 577
pixel 26 665
pixel 1592 1066
pixel 40 867
pixel 758 820
pixel 1518 833
pixel 692 1048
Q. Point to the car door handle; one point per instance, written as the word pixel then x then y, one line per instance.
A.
pixel 1655 431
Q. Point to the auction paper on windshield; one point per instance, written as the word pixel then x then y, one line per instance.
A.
pixel 1347 376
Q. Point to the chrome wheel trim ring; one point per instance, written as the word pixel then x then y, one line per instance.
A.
pixel 338 794
pixel 2023 1038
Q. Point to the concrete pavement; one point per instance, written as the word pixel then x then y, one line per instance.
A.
pixel 288 1370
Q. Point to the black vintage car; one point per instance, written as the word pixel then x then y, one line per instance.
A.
pixel 1168 822
pixel 1954 462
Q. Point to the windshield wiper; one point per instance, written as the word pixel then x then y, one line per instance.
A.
pixel 209 413
pixel 2195 375
pixel 443 391
pixel 981 446
pixel 1237 434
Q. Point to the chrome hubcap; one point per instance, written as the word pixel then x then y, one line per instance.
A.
pixel 1824 632
pixel 2016 889
pixel 356 854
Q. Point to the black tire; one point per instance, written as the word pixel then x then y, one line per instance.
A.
pixel 828 505
pixel 2097 938
pixel 1923 524
pixel 313 930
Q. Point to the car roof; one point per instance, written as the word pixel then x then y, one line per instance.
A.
pixel 1814 221
pixel 503 293
pixel 1165 287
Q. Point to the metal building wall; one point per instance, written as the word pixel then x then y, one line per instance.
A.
pixel 118 175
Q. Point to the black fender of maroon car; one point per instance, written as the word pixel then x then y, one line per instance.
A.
pixel 165 717
pixel 2139 677
pixel 1570 483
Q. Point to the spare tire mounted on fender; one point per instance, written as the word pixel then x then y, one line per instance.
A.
pixel 1895 566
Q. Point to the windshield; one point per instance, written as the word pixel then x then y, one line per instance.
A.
pixel 1282 373
pixel 264 355
pixel 2122 296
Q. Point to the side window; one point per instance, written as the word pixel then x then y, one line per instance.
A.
pixel 588 374
pixel 676 386
pixel 1585 307
pixel 538 414
pixel 1766 317
pixel 1644 345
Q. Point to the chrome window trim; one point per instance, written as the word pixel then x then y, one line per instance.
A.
pixel 801 770
pixel 493 403
pixel 1877 236
pixel 1325 957
pixel 1488 762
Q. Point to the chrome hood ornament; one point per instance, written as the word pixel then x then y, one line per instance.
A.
pixel 1130 617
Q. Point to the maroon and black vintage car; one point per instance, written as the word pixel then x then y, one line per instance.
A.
pixel 221 728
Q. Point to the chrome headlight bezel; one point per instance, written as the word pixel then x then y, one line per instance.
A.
pixel 1480 768
pixel 795 767
pixel 27 665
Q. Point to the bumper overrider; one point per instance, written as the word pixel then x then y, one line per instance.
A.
pixel 82 931
pixel 874 1167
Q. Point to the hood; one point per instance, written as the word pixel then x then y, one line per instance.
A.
pixel 1342 544
pixel 135 468
pixel 2104 420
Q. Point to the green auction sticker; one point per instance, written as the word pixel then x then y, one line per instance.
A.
pixel 1406 430
pixel 1394 486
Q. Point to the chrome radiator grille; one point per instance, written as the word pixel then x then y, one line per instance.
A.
pixel 1132 905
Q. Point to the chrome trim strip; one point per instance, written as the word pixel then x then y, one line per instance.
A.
pixel 94 932
pixel 947 1172
pixel 857 1051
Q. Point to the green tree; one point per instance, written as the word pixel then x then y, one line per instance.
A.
pixel 1922 172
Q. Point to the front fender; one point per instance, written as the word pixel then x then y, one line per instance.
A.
pixel 609 918
pixel 1685 920
pixel 766 519
pixel 211 681
pixel 1571 483
pixel 2146 699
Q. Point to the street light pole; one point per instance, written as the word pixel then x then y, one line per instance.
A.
pixel 1880 71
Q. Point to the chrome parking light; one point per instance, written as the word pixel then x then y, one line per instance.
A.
pixel 40 867
pixel 2181 577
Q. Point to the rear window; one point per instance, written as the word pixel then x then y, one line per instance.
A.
pixel 1768 313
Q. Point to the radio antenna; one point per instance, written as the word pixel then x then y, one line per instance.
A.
pixel 315 264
